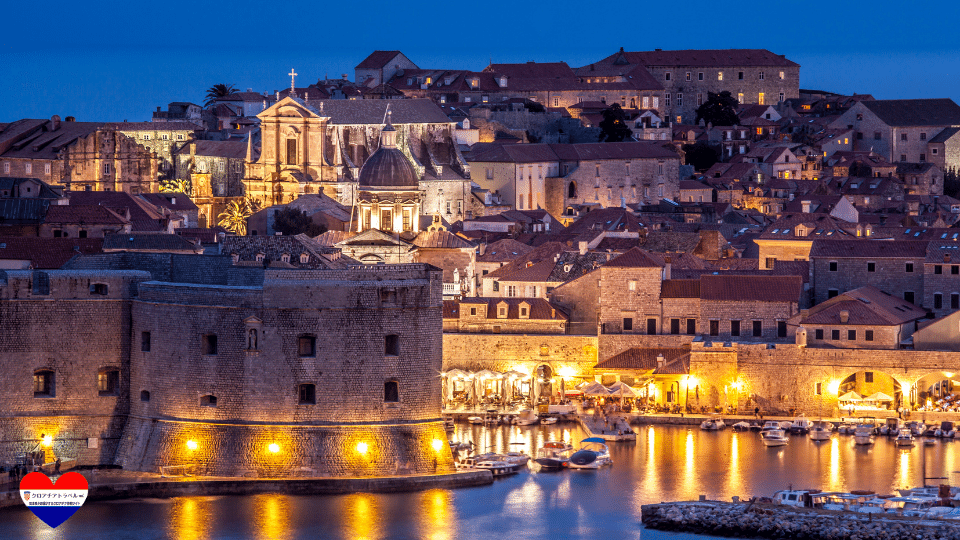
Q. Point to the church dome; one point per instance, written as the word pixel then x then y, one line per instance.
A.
pixel 388 167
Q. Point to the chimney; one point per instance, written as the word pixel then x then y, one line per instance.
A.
pixel 583 248
pixel 805 206
pixel 946 257
pixel 55 122
pixel 661 361
pixel 345 77
pixel 553 313
pixel 158 109
pixel 844 317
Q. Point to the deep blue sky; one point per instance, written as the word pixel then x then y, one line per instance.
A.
pixel 119 60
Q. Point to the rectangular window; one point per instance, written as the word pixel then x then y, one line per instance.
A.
pixel 781 96
pixel 835 335
pixel 714 328
pixel 909 267
pixel 832 292
pixel 955 269
pixel 937 269
pixel 306 346
pixel 43 384
pixel 108 382
pixel 719 75
pixel 106 168
pixel 666 76
pixel 760 100
pixel 699 99
pixel 740 97
pixel 291 152
pixel 818 389
pixel 674 326
pixel 46 168
pixel 954 301
pixel 145 341
pixel 908 296
pixel 740 75
pixel 691 327
pixel 688 75
pixel 923 136
pixel 627 323
pixel 782 329
pixel 209 344
pixel 757 328
pixel 851 335
pixel 391 345
pixel 876 135
pixel 903 157
pixel 818 333
pixel 761 75
pixel 770 262
pixel 833 266
pixel 6 167
pixel 937 301
pixel 923 157
pixel 651 327
pixel 868 335
pixel 679 100
pixel 734 328
pixel 28 168
pixel 903 136
pixel 871 267
pixel 868 376
pixel 307 394
pixel 700 76
pixel 391 392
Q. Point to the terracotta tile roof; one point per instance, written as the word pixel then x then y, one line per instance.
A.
pixel 864 306
pixel 705 58
pixel 571 264
pixel 37 139
pixel 916 112
pixel 734 288
pixel 504 250
pixel 680 288
pixel 605 219
pixel 819 225
pixel 635 258
pixel 143 216
pixel 176 202
pixel 332 238
pixel 377 59
pixel 642 358
pixel 542 254
pixel 47 253
pixel 148 242
pixel 540 309
pixel 945 135
pixel 618 245
pixel 274 247
pixel 441 239
pixel 88 214
pixel 869 249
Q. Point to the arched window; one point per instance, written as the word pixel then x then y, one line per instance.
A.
pixel 572 190
pixel 144 395
pixel 108 381
pixel 44 383
pixel 391 392
pixel 208 401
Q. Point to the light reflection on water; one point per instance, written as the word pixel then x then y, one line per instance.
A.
pixel 665 463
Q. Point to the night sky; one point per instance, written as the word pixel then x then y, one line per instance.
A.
pixel 112 61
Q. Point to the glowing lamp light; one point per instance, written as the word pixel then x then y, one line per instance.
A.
pixel 834 386
pixel 362 448
pixel 47 440
pixel 692 381
pixel 274 448
pixel 565 372
pixel 192 445
pixel 437 444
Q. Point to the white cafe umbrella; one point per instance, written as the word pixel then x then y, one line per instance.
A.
pixel 621 389
pixel 879 396
pixel 595 389
pixel 455 373
pixel 850 396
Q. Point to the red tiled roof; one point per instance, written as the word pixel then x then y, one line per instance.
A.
pixel 47 253
pixel 540 309
pixel 642 358
pixel 377 59
pixel 634 258
pixel 864 306
pixel 680 288
pixel 705 58
pixel 504 250
pixel 86 213
pixel 733 288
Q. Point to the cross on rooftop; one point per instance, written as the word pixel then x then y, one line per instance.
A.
pixel 292 75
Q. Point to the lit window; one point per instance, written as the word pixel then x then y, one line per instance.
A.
pixel 43 383
pixel 108 382
pixel 719 75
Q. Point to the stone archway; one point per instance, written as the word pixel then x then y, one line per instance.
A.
pixel 935 390
pixel 868 383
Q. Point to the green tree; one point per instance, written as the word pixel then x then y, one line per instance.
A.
pixel 291 221
pixel 701 155
pixel 234 217
pixel 178 185
pixel 719 109
pixel 218 91
pixel 613 127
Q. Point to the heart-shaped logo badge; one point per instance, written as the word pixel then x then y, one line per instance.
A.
pixel 53 505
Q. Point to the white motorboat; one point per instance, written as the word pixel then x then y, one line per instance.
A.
pixel 496 467
pixel 593 454
pixel 554 455
pixel 794 497
pixel 548 420
pixel 800 424
pixel 945 431
pixel 773 437
pixel 769 425
pixel 475 419
pixel 891 427
pixel 741 426
pixel 863 434
pixel 821 431
pixel 448 423
pixel 904 437
pixel 714 423
pixel 526 418
pixel 916 428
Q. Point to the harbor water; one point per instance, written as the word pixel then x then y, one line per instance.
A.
pixel 665 463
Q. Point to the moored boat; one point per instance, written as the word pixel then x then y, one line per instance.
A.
pixel 800 424
pixel 593 454
pixel 526 418
pixel 864 434
pixel 714 423
pixel 820 431
pixel 554 455
pixel 904 437
pixel 774 437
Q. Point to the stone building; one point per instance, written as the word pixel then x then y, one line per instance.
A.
pixel 161 138
pixel 941 276
pixel 893 266
pixel 321 146
pixel 77 156
pixel 503 316
pixel 862 318
pixel 554 177
pixel 904 129
pixel 380 67
pixel 209 368
pixel 753 76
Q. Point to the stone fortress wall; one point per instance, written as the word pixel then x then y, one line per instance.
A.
pixel 210 374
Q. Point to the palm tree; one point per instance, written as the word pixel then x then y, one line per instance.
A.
pixel 234 217
pixel 218 91
pixel 177 186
